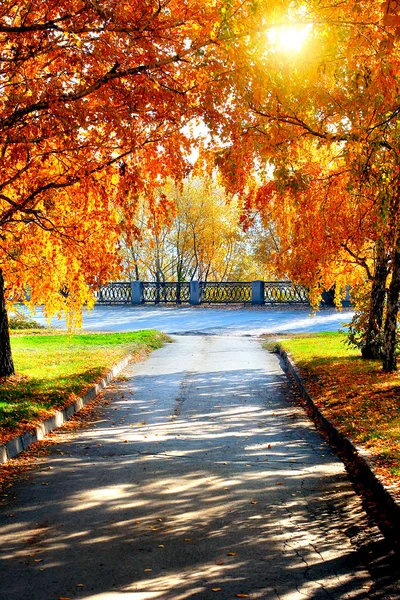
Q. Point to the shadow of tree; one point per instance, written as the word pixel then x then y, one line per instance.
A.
pixel 186 483
pixel 22 400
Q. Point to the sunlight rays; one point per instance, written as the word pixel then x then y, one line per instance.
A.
pixel 290 38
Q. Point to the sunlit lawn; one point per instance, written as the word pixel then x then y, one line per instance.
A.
pixel 52 369
pixel 361 400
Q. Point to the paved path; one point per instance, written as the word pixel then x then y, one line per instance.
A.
pixel 216 320
pixel 198 474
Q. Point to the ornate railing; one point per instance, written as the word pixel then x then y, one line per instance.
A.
pixel 118 292
pixel 276 292
pixel 210 292
pixel 168 292
pixel 225 292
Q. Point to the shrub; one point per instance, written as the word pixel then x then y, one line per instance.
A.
pixel 21 321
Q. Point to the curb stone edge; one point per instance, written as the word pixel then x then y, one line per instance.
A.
pixel 16 445
pixel 357 456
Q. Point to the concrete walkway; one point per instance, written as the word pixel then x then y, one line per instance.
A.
pixel 200 479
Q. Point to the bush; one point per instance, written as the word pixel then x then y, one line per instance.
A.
pixel 21 321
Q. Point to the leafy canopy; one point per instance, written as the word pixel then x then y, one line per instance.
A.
pixel 94 102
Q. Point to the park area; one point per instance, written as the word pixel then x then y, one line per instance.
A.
pixel 199 300
pixel 215 422
pixel 54 367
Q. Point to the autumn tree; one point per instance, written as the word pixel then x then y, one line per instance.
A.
pixel 94 101
pixel 202 238
pixel 325 119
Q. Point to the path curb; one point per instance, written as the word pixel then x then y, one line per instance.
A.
pixel 15 446
pixel 362 469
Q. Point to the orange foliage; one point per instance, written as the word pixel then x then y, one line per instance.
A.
pixel 93 113
pixel 95 97
pixel 325 122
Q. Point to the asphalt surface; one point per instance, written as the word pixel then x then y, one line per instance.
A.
pixel 227 320
pixel 200 479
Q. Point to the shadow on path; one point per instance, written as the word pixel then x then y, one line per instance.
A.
pixel 190 480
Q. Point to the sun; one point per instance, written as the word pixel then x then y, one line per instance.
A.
pixel 289 38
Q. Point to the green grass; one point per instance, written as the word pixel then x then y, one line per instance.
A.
pixel 320 347
pixel 354 393
pixel 51 369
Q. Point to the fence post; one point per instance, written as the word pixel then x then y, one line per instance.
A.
pixel 195 292
pixel 137 292
pixel 257 292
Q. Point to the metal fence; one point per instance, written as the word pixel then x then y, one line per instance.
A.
pixel 226 292
pixel 169 292
pixel 210 292
pixel 119 292
pixel 283 292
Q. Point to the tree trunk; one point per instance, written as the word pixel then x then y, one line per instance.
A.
pixel 6 362
pixel 392 309
pixel 372 347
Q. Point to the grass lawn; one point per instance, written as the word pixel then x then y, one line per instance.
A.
pixel 361 400
pixel 53 368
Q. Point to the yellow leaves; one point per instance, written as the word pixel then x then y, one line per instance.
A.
pixel 239 595
pixel 71 263
pixel 205 228
pixel 73 247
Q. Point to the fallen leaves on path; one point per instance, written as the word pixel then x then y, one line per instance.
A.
pixel 28 460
